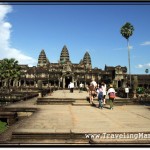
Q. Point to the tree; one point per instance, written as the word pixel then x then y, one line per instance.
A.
pixel 127 31
pixel 9 70
pixel 146 70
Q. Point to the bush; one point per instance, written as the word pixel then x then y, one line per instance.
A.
pixel 140 90
pixel 3 126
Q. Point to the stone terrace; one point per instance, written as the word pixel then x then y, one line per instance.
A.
pixel 55 123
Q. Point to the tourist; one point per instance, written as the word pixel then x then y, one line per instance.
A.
pixel 71 87
pixel 81 87
pixel 104 92
pixel 94 83
pixel 92 93
pixel 111 93
pixel 100 97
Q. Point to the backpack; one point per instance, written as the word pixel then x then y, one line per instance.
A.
pixel 112 95
pixel 100 95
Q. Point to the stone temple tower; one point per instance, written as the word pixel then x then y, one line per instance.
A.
pixel 42 60
pixel 64 56
pixel 87 60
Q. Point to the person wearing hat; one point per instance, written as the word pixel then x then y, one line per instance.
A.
pixel 111 93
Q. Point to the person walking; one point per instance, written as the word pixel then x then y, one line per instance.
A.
pixel 91 93
pixel 81 87
pixel 71 87
pixel 104 92
pixel 94 83
pixel 111 93
pixel 100 97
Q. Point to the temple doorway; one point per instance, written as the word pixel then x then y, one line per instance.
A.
pixel 119 84
pixel 68 79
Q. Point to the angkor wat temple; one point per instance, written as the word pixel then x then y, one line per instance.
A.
pixel 62 73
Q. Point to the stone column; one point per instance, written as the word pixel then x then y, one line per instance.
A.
pixel 24 83
pixel 135 85
pixel 75 83
pixel 115 83
pixel 84 84
pixel 59 84
pixel 5 83
pixel 63 82
pixel 34 83
pixel 13 83
pixel 19 83
pixel 73 79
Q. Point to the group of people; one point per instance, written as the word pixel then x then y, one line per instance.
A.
pixel 101 91
pixel 97 90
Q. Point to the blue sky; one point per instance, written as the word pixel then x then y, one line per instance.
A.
pixel 27 29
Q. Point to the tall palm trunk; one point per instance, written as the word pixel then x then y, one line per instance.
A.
pixel 129 60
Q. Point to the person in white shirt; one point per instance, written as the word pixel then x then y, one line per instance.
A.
pixel 111 93
pixel 81 87
pixel 94 83
pixel 71 87
pixel 104 91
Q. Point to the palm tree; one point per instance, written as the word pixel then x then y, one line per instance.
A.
pixel 146 70
pixel 127 31
pixel 9 70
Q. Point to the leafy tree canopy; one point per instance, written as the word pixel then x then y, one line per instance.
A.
pixel 9 69
pixel 127 30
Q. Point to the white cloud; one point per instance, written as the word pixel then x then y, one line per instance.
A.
pixel 143 66
pixel 6 50
pixel 4 9
pixel 145 43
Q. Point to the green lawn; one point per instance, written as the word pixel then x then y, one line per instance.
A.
pixel 3 126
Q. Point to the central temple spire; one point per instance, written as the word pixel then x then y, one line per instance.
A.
pixel 64 57
pixel 87 60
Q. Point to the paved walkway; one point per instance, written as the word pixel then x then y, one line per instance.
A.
pixel 127 118
pixel 66 94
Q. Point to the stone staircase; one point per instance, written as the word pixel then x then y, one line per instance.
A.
pixel 71 136
pixel 79 102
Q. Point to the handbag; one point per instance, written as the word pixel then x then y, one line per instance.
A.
pixel 112 95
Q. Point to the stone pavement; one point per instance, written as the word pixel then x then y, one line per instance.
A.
pixel 67 94
pixel 82 119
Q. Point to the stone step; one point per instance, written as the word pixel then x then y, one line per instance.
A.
pixel 20 109
pixel 77 136
pixel 119 141
pixel 81 104
pixel 9 117
pixel 46 141
pixel 46 101
pixel 96 103
pixel 78 102
pixel 47 136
